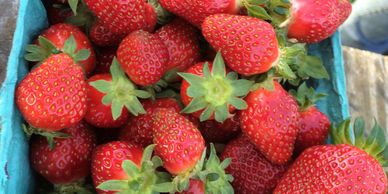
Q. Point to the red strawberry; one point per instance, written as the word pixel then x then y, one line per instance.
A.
pixel 144 57
pixel 195 187
pixel 53 96
pixel 182 149
pixel 182 43
pixel 271 122
pixel 119 166
pixel 104 59
pixel 350 166
pixel 312 21
pixel 251 171
pixel 69 161
pixel 124 17
pixel 99 114
pixel 59 33
pixel 139 129
pixel 209 91
pixel 100 35
pixel 313 125
pixel 249 45
pixel 195 11
pixel 111 96
pixel 214 131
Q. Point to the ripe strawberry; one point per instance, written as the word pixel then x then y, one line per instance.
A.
pixel 119 166
pixel 209 91
pixel 182 149
pixel 104 59
pixel 312 21
pixel 124 17
pixel 182 43
pixel 345 167
pixel 111 96
pixel 271 122
pixel 195 11
pixel 57 35
pixel 195 187
pixel 213 131
pixel 139 129
pixel 144 57
pixel 100 35
pixel 251 171
pixel 99 114
pixel 248 44
pixel 69 161
pixel 313 125
pixel 53 96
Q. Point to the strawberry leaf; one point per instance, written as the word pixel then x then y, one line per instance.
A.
pixel 70 46
pixel 114 185
pixel 73 5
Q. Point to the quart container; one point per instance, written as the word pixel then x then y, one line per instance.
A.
pixel 16 176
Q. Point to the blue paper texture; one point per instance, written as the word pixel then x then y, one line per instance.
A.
pixel 16 177
pixel 15 172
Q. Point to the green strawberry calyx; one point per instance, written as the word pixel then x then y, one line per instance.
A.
pixel 39 53
pixel 375 144
pixel 163 16
pixel 275 11
pixel 120 92
pixel 216 91
pixel 141 180
pixel 76 187
pixel 50 136
pixel 210 171
pixel 306 96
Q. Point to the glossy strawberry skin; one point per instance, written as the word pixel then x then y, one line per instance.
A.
pixel 195 187
pixel 143 57
pixel 139 129
pixel 196 69
pixel 59 33
pixel 70 160
pixel 195 11
pixel 313 21
pixel 178 142
pixel 251 171
pixel 98 114
pixel 104 59
pixel 124 17
pixel 271 122
pixel 102 36
pixel 313 129
pixel 333 169
pixel 213 131
pixel 53 96
pixel 107 160
pixel 182 43
pixel 248 45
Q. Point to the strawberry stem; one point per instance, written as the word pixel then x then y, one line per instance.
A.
pixel 306 96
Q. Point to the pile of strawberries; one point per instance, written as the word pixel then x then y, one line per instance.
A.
pixel 190 96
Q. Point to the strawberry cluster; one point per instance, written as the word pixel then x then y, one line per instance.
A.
pixel 190 96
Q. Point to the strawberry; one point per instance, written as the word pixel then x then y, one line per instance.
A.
pixel 248 44
pixel 182 149
pixel 57 15
pixel 124 17
pixel 100 35
pixel 139 129
pixel 251 171
pixel 104 59
pixel 69 161
pixel 214 131
pixel 144 57
pixel 119 166
pixel 312 21
pixel 111 96
pixel 209 91
pixel 56 36
pixel 352 165
pixel 195 11
pixel 195 187
pixel 53 96
pixel 313 125
pixel 99 114
pixel 271 122
pixel 182 43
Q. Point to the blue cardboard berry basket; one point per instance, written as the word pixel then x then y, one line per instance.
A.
pixel 16 176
